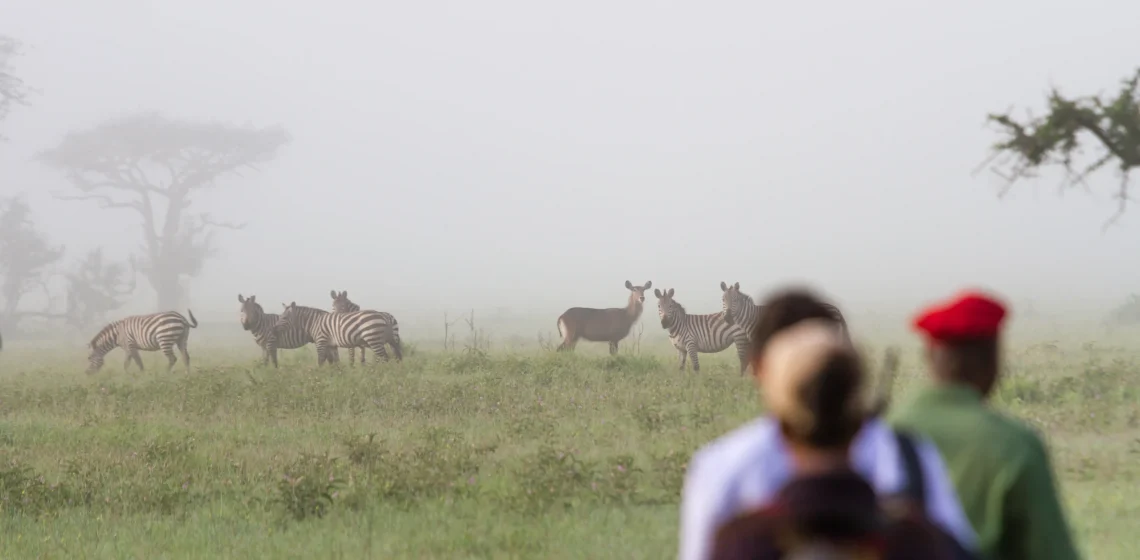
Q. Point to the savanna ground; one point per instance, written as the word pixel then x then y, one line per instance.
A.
pixel 470 453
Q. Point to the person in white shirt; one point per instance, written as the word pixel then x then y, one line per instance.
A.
pixel 744 469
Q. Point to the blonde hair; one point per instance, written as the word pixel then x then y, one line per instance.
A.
pixel 813 383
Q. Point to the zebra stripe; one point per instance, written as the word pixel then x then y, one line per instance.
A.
pixel 740 309
pixel 693 334
pixel 263 326
pixel 157 331
pixel 341 304
pixel 372 329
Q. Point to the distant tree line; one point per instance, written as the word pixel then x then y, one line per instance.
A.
pixel 147 164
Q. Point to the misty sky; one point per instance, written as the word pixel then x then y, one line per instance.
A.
pixel 459 154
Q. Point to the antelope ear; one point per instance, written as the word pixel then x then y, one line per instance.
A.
pixel 670 292
pixel 723 287
pixel 648 284
pixel 628 285
pixel 657 293
pixel 737 286
pixel 241 299
pixel 332 293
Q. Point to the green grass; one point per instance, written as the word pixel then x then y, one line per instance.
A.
pixel 449 455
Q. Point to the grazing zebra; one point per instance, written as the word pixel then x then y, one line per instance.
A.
pixel 341 304
pixel 707 334
pixel 740 309
pixel 157 331
pixel 344 330
pixel 265 332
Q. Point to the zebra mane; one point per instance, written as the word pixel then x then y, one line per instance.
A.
pixel 106 328
pixel 678 305
pixel 307 309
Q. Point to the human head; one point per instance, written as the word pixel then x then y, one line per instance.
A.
pixel 784 309
pixel 813 386
pixel 962 338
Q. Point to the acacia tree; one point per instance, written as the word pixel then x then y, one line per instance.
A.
pixel 153 166
pixel 95 287
pixel 13 90
pixel 1111 125
pixel 27 259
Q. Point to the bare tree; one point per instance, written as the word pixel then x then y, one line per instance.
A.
pixel 1058 138
pixel 152 166
pixel 13 90
pixel 95 287
pixel 26 260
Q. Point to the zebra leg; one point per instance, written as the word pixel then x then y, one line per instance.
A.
pixel 362 355
pixel 693 358
pixel 168 350
pixel 127 362
pixel 743 350
pixel 271 354
pixel 322 352
pixel 684 356
pixel 613 348
pixel 352 356
pixel 185 354
pixel 137 357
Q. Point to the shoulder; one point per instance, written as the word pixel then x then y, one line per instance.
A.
pixel 726 459
pixel 1018 439
pixel 741 444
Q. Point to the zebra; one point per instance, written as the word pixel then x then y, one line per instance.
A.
pixel 739 309
pixel 341 304
pixel 345 330
pixel 157 331
pixel 263 326
pixel 706 334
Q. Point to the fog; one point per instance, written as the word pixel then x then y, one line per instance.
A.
pixel 457 155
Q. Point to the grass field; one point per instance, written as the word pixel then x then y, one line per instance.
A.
pixel 461 454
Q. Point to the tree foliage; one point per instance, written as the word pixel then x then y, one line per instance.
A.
pixel 1061 136
pixel 13 90
pixel 95 287
pixel 29 262
pixel 27 258
pixel 152 166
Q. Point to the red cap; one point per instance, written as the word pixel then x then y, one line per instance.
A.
pixel 971 315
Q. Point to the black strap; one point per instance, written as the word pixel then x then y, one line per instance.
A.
pixel 915 487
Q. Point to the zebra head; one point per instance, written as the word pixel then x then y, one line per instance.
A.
pixel 732 301
pixel 251 312
pixel 99 346
pixel 667 308
pixel 341 303
pixel 637 293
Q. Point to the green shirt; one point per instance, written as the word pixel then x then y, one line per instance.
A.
pixel 1000 469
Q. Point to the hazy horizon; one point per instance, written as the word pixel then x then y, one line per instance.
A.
pixel 510 155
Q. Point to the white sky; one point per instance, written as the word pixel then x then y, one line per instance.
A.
pixel 450 155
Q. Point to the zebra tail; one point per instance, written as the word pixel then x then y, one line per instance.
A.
pixel 192 322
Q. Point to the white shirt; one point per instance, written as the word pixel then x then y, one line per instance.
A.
pixel 744 469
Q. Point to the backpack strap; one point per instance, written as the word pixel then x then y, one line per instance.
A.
pixel 915 487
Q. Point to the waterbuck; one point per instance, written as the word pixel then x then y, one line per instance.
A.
pixel 602 325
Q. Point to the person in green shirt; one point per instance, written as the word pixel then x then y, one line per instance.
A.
pixel 999 465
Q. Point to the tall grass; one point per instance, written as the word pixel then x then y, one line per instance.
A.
pixel 469 453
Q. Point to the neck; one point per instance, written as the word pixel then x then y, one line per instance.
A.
pixel 951 381
pixel 634 308
pixel 809 462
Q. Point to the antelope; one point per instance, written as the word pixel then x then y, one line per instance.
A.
pixel 602 325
